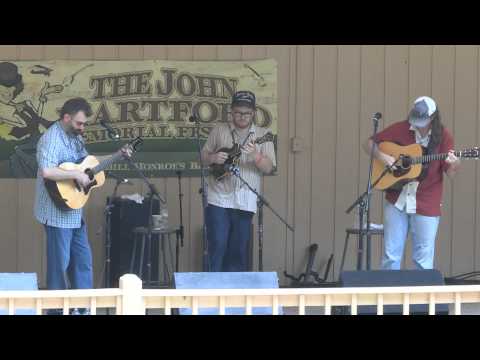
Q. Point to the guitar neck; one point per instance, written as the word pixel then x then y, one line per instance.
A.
pixel 428 158
pixel 107 162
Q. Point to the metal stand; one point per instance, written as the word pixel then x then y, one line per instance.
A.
pixel 179 232
pixel 364 204
pixel 260 202
pixel 153 192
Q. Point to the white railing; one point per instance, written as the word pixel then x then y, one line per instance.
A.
pixel 130 298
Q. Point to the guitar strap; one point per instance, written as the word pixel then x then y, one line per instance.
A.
pixel 246 138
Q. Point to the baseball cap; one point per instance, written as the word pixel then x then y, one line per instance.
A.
pixel 244 98
pixel 423 108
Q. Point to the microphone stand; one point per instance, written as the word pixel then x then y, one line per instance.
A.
pixel 204 192
pixel 179 232
pixel 108 232
pixel 260 202
pixel 364 204
pixel 153 192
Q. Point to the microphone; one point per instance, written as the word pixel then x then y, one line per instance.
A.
pixel 111 132
pixel 377 116
pixel 231 168
pixel 121 180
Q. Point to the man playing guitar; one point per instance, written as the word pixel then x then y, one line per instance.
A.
pixel 68 248
pixel 416 206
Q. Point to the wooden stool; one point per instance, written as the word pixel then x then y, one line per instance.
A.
pixel 160 235
pixel 353 231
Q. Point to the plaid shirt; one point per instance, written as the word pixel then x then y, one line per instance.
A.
pixel 54 148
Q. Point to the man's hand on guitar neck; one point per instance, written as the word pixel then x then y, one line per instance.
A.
pixel 454 163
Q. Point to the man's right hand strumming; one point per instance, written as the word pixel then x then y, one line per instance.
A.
pixel 218 158
pixel 82 179
pixel 387 160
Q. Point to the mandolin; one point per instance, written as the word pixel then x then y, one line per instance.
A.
pixel 68 194
pixel 219 171
pixel 410 162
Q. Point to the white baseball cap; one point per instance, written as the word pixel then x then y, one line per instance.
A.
pixel 422 109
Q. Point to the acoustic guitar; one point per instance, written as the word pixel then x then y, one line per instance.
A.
pixel 68 194
pixel 410 161
pixel 219 171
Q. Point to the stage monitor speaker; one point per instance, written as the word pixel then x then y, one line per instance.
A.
pixel 380 278
pixel 18 281
pixel 227 280
pixel 127 215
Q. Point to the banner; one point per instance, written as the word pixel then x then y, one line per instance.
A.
pixel 153 99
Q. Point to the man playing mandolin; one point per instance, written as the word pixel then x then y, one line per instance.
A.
pixel 416 206
pixel 231 205
pixel 68 251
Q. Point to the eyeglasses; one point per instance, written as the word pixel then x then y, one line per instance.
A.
pixel 239 114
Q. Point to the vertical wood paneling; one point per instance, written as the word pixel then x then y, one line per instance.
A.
pixel 8 219
pixel 9 52
pixel 290 254
pixel 56 52
pixel 323 153
pixel 465 113
pixel 477 172
pixel 229 52
pixel 195 209
pixel 303 159
pixel 275 187
pixel 128 52
pixel 81 52
pixel 372 101
pixel 443 78
pixel 105 52
pixel 191 253
pixel 348 147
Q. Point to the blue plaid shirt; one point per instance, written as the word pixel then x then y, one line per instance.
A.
pixel 54 148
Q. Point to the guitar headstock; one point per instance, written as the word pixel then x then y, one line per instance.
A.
pixel 472 153
pixel 135 143
pixel 265 138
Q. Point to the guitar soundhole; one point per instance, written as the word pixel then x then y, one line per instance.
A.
pixel 92 184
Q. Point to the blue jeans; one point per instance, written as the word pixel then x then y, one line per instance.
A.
pixel 228 233
pixel 423 229
pixel 69 258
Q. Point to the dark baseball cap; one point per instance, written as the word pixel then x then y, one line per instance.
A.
pixel 244 98
pixel 9 75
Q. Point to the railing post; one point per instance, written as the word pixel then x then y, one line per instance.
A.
pixel 132 301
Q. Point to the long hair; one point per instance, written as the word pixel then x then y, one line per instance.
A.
pixel 437 131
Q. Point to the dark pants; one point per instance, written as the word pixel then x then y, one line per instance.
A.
pixel 228 232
